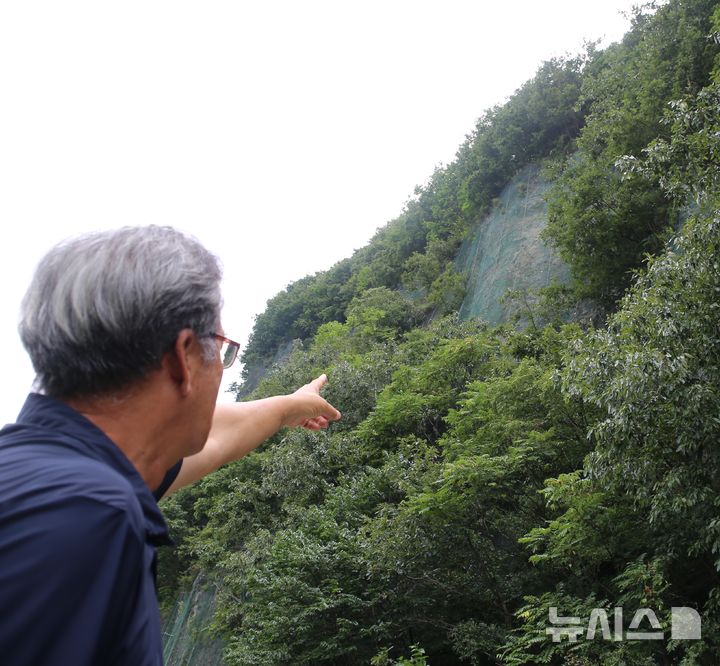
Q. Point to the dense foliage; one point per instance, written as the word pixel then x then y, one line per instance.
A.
pixel 482 476
pixel 602 223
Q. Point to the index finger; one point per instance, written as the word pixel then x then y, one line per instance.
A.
pixel 317 383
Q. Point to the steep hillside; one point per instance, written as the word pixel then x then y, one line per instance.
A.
pixel 484 473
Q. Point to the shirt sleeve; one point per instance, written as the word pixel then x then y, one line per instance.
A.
pixel 170 476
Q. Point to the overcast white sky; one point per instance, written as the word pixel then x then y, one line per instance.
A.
pixel 281 133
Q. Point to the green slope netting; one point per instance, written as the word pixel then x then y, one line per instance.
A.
pixel 186 641
pixel 506 251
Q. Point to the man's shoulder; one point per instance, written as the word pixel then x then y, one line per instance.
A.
pixel 42 473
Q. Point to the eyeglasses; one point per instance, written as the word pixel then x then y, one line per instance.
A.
pixel 228 350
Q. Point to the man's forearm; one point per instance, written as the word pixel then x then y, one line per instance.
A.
pixel 237 429
pixel 240 427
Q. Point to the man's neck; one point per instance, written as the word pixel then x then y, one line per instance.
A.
pixel 137 423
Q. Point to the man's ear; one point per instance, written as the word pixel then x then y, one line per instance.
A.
pixel 179 361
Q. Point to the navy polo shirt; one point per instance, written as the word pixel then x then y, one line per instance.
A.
pixel 78 530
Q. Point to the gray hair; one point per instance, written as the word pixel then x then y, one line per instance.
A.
pixel 102 309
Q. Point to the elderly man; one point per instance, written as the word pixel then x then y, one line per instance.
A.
pixel 123 329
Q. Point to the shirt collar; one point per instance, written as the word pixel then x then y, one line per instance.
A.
pixel 87 439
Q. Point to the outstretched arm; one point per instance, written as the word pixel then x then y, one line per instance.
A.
pixel 240 427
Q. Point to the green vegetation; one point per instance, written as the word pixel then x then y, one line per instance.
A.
pixel 481 476
pixel 604 223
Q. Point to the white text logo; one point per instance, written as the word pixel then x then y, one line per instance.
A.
pixel 684 625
